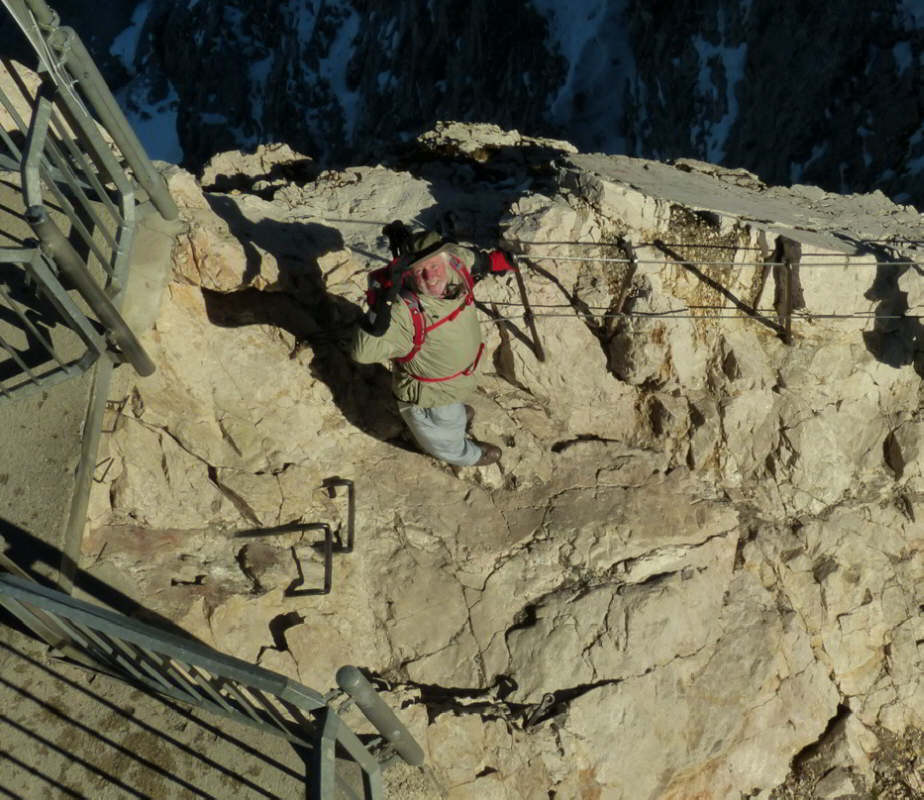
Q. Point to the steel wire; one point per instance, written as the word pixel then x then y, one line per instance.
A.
pixel 670 262
pixel 683 313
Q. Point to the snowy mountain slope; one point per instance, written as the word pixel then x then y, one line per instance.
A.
pixel 794 92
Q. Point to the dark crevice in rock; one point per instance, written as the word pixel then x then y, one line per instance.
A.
pixel 488 703
pixel 658 415
pixel 563 445
pixel 236 500
pixel 199 580
pixel 833 729
pixel 748 535
pixel 658 577
pixel 525 618
pixel 565 696
pixel 823 568
pixel 226 435
pixel 892 455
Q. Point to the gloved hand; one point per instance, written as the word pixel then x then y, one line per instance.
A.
pixel 377 319
pixel 497 262
pixel 500 262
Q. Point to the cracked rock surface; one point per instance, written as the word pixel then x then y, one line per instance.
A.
pixel 700 550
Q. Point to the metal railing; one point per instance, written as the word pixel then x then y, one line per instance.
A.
pixel 77 161
pixel 193 673
pixel 37 358
pixel 304 549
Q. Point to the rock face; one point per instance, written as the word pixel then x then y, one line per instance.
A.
pixel 699 554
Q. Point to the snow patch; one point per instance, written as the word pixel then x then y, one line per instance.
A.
pixel 333 68
pixel 153 122
pixel 125 45
pixel 915 166
pixel 383 80
pixel 904 59
pixel 258 76
pixel 593 38
pixel 305 15
pixel 911 14
pixel 731 60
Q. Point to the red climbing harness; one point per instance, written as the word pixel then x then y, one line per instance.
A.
pixel 379 280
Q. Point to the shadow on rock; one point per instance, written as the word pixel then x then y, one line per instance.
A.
pixel 896 339
pixel 318 320
pixel 37 558
pixel 478 188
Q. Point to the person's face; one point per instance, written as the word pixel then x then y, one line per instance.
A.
pixel 430 276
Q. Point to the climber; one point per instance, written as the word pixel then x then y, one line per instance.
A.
pixel 432 335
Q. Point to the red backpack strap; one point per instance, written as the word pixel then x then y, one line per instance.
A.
pixel 417 318
pixel 462 271
pixel 470 369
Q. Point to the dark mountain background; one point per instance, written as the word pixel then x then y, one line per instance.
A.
pixel 821 93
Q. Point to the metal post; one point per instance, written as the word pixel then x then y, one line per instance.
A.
pixel 81 67
pixel 351 511
pixel 629 250
pixel 787 302
pixel 328 560
pixel 56 246
pixel 528 316
pixel 322 769
pixel 790 294
pixel 354 683
pixel 44 16
pixel 35 147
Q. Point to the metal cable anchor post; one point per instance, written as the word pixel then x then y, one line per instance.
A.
pixel 354 683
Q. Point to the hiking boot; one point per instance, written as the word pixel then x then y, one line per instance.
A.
pixel 469 414
pixel 490 454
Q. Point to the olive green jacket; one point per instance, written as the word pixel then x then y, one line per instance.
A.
pixel 448 349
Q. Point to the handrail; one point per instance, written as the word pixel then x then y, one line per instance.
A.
pixel 81 67
pixel 192 672
pixel 68 157
pixel 79 64
pixel 355 684
pixel 56 245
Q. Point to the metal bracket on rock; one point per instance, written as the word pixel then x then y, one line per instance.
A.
pixel 528 316
pixel 299 548
pixel 539 712
pixel 293 589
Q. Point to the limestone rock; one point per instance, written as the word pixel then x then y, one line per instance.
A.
pixel 904 454
pixel 214 259
pixel 835 784
pixel 270 165
pixel 480 141
pixel 701 541
pixel 185 190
